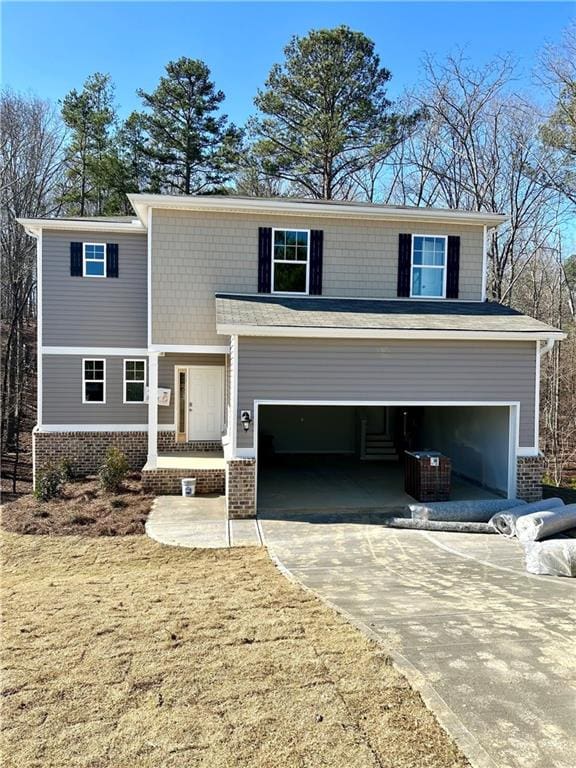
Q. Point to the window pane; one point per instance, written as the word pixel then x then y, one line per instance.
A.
pixel 94 392
pixel 290 253
pixel 93 369
pixel 182 402
pixel 303 239
pixel 427 282
pixel 279 237
pixel 278 252
pixel 134 370
pixel 290 278
pixel 429 251
pixel 134 392
pixel 94 268
pixel 291 238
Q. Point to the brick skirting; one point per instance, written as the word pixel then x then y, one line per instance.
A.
pixel 167 482
pixel 529 477
pixel 167 444
pixel 241 488
pixel 87 450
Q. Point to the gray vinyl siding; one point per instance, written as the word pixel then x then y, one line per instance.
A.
pixel 332 369
pixel 166 366
pixel 62 394
pixel 197 254
pixel 62 390
pixel 90 311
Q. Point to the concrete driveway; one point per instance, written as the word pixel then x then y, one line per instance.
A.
pixel 491 648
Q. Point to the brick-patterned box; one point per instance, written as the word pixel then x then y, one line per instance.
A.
pixel 427 475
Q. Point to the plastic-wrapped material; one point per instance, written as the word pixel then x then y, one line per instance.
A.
pixel 437 525
pixel 505 522
pixel 553 557
pixel 543 525
pixel 473 511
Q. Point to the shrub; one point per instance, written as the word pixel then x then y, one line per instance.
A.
pixel 49 484
pixel 114 470
pixel 67 470
pixel 118 503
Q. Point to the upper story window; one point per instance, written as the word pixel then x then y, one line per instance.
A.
pixel 134 381
pixel 290 260
pixel 94 260
pixel 428 275
pixel 93 381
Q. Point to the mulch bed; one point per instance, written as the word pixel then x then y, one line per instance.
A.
pixel 84 509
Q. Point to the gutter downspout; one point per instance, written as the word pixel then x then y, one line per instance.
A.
pixel 547 347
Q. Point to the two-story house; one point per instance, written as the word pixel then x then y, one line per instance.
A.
pixel 210 336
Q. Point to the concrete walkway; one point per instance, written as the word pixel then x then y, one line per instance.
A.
pixel 200 522
pixel 491 648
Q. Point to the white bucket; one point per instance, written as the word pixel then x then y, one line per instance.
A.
pixel 188 486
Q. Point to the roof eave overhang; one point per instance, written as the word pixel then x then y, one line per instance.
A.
pixel 232 329
pixel 33 227
pixel 285 207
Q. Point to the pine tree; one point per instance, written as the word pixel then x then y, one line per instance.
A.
pixel 191 148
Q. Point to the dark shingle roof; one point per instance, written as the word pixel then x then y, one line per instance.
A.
pixel 376 314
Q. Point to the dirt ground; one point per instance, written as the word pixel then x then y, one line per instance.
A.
pixel 119 652
pixel 84 509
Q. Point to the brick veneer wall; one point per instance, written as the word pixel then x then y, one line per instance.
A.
pixel 529 477
pixel 166 482
pixel 87 450
pixel 167 442
pixel 241 488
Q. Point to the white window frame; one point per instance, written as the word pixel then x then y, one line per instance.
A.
pixel 85 380
pixel 291 293
pixel 125 380
pixel 429 266
pixel 85 259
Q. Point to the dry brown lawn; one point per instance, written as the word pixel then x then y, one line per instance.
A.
pixel 124 653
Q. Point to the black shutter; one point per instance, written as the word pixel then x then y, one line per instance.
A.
pixel 452 267
pixel 264 259
pixel 75 259
pixel 404 259
pixel 111 260
pixel 316 255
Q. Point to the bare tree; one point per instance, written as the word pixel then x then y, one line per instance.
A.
pixel 479 149
pixel 30 179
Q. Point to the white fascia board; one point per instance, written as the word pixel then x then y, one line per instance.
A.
pixel 287 207
pixel 383 333
pixel 96 351
pixel 34 226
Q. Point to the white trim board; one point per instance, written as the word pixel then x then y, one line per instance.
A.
pixel 383 333
pixel 39 331
pixel 103 428
pixel 200 349
pixel 102 351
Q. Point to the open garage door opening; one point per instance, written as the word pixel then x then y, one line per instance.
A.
pixel 322 457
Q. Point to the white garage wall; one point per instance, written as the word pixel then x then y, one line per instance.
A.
pixel 475 439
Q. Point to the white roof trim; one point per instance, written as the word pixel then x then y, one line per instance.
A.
pixel 34 226
pixel 383 333
pixel 287 207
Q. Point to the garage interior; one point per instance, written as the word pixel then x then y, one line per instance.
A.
pixel 314 457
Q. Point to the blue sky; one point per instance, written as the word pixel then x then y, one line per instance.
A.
pixel 50 47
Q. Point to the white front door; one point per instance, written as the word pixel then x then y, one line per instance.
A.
pixel 205 402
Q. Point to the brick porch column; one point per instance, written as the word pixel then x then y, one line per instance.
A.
pixel 241 488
